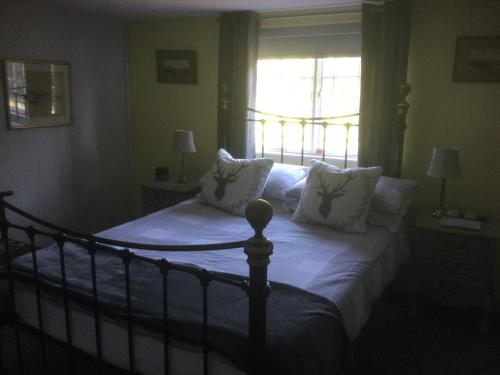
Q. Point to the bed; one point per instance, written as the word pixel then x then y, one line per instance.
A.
pixel 346 281
pixel 195 289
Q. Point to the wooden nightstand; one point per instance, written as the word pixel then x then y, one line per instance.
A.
pixel 157 195
pixel 454 266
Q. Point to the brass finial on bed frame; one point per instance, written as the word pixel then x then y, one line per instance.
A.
pixel 258 249
pixel 259 213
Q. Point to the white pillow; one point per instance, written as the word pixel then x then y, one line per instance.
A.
pixel 390 203
pixel 232 183
pixel 390 221
pixel 282 177
pixel 295 191
pixel 392 195
pixel 338 198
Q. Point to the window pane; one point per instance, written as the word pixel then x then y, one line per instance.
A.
pixel 342 67
pixel 309 88
pixel 285 86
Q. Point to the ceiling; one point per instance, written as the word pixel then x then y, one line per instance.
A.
pixel 132 9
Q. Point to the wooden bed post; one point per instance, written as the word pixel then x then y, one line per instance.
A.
pixel 401 112
pixel 258 249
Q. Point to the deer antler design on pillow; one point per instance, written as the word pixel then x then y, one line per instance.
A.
pixel 224 179
pixel 328 196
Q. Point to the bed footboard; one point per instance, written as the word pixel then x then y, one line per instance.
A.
pixel 257 248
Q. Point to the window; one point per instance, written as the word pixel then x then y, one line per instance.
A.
pixel 308 87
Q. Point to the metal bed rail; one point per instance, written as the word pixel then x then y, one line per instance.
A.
pixel 257 248
pixel 286 122
pixel 348 122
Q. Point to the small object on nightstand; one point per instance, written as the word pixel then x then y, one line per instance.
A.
pixel 157 195
pixel 453 265
pixel 470 216
pixel 456 222
pixel 162 173
pixel 452 213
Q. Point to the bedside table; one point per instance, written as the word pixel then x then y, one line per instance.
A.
pixel 157 195
pixel 454 266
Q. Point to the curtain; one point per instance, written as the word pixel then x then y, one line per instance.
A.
pixel 237 81
pixel 385 35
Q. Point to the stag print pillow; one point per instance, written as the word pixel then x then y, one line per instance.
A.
pixel 338 198
pixel 232 183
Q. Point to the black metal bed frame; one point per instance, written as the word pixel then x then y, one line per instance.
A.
pixel 257 248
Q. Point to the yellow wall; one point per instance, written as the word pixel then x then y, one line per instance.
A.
pixel 462 114
pixel 158 109
pixel 443 112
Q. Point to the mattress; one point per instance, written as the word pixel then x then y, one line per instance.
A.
pixel 351 270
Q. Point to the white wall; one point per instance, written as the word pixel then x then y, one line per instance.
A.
pixel 76 175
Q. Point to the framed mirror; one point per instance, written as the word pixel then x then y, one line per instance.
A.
pixel 37 93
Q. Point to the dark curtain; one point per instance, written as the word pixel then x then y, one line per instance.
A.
pixel 237 81
pixel 385 35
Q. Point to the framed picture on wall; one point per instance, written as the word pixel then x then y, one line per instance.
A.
pixel 477 59
pixel 177 66
pixel 37 93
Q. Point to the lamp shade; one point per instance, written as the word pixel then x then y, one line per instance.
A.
pixel 184 141
pixel 445 163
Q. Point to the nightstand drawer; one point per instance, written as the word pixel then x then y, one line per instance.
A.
pixel 446 246
pixel 155 199
pixel 454 267
pixel 453 291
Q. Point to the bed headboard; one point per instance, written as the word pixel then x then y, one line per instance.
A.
pixel 261 119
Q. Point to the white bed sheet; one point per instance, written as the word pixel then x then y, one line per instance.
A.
pixel 184 359
pixel 351 270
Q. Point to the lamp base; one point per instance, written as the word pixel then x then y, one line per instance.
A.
pixel 183 179
pixel 439 213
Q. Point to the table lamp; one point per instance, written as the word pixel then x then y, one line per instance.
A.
pixel 183 143
pixel 444 164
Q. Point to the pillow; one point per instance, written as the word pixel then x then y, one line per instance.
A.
pixel 390 221
pixel 390 203
pixel 232 183
pixel 295 191
pixel 338 198
pixel 282 177
pixel 392 195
